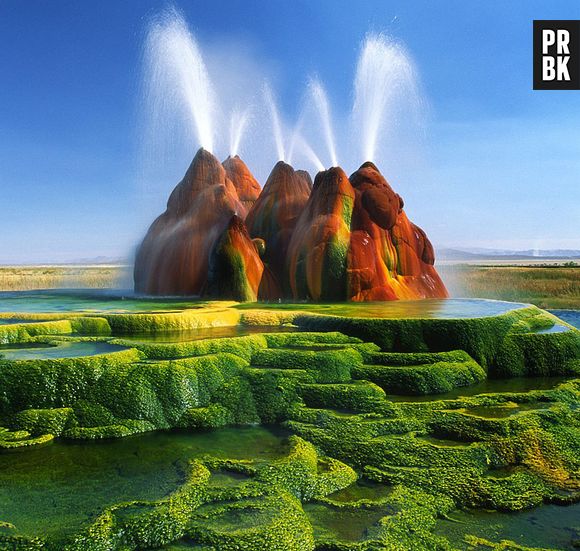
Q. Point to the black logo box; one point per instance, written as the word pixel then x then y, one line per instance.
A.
pixel 573 63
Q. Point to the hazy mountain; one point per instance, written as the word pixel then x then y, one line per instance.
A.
pixel 475 253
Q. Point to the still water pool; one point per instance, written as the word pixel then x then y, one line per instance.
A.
pixel 545 527
pixel 57 489
pixel 65 349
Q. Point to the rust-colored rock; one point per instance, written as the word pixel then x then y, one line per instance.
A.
pixel 235 268
pixel 389 257
pixel 173 258
pixel 339 239
pixel 317 254
pixel 274 215
pixel 246 185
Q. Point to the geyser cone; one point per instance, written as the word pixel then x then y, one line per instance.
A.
pixel 339 239
pixel 274 215
pixel 173 258
pixel 379 202
pixel 203 172
pixel 246 185
pixel 317 254
pixel 389 257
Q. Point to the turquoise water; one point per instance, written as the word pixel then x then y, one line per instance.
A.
pixel 57 489
pixel 569 316
pixel 38 351
pixel 556 328
pixel 125 301
pixel 89 300
pixel 428 308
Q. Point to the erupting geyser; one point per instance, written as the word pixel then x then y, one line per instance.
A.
pixel 339 239
pixel 223 236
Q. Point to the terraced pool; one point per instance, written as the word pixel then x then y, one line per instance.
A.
pixel 57 489
pixel 171 424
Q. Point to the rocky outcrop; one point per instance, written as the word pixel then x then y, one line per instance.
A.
pixel 174 256
pixel 389 257
pixel 274 215
pixel 246 185
pixel 235 267
pixel 318 251
pixel 339 239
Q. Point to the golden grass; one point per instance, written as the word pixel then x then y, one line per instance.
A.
pixel 546 287
pixel 25 278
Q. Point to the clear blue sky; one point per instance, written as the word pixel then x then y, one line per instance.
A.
pixel 502 162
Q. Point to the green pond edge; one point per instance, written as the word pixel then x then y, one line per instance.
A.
pixel 327 385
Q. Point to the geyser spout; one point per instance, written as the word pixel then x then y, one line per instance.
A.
pixel 177 78
pixel 276 123
pixel 385 80
pixel 322 106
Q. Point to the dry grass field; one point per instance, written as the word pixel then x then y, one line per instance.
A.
pixel 545 286
pixel 26 278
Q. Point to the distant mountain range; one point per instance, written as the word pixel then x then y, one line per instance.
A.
pixel 502 254
pixel 457 254
pixel 109 260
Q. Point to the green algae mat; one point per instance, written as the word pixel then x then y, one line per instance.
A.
pixel 143 424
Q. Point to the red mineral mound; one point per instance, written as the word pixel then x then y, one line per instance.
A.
pixel 235 268
pixel 317 255
pixel 274 215
pixel 173 258
pixel 341 239
pixel 389 257
pixel 246 185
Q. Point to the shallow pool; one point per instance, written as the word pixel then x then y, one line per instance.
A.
pixel 569 316
pixel 57 489
pixel 548 526
pixel 111 301
pixel 514 385
pixel 428 308
pixel 65 349
pixel 90 300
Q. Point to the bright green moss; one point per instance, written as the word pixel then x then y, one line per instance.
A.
pixel 23 332
pixel 326 366
pixel 239 346
pixel 44 421
pixel 538 354
pixel 10 440
pixel 173 321
pixel 502 451
pixel 356 396
pixel 427 378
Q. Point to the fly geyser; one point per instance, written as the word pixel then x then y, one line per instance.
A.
pixel 339 239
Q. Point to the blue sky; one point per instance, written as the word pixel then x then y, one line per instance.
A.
pixel 499 166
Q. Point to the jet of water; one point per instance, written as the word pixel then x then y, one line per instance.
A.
pixel 276 125
pixel 238 122
pixel 308 151
pixel 177 77
pixel 385 78
pixel 294 137
pixel 322 106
